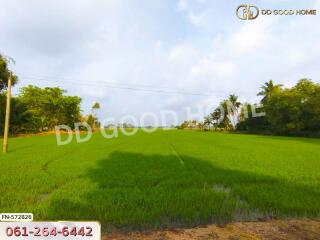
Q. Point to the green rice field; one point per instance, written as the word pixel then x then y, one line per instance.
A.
pixel 173 178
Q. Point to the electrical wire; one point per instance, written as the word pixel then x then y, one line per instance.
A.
pixel 124 86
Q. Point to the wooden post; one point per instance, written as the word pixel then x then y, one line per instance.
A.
pixel 7 121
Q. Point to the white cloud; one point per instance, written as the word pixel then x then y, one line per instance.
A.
pixel 182 53
pixel 182 5
pixel 202 48
pixel 219 69
pixel 251 36
pixel 198 19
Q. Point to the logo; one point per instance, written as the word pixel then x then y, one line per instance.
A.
pixel 247 12
pixel 250 12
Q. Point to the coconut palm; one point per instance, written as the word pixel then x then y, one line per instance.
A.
pixel 233 99
pixel 207 121
pixel 225 106
pixel 94 108
pixel 216 117
pixel 233 108
pixel 267 89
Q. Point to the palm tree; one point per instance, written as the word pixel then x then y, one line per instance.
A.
pixel 244 111
pixel 207 121
pixel 5 72
pixel 267 89
pixel 94 108
pixel 225 123
pixel 233 106
pixel 216 117
pixel 233 99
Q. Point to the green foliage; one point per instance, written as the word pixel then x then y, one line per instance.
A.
pixel 20 119
pixel 190 124
pixel 36 109
pixel 95 106
pixel 184 125
pixel 250 123
pixel 295 110
pixel 289 111
pixel 225 116
pixel 92 119
pixel 267 89
pixel 5 72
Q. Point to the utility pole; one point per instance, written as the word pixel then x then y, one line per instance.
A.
pixel 6 126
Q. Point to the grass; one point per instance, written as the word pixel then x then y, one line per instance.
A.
pixel 165 179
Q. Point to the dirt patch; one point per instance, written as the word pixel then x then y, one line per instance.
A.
pixel 271 230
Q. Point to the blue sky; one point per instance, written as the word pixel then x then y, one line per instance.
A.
pixel 200 45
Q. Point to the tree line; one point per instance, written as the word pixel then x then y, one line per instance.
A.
pixel 285 111
pixel 37 109
pixel 281 111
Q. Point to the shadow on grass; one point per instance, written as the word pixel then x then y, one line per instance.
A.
pixel 136 191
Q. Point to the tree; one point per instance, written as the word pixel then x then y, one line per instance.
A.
pixel 267 89
pixel 233 99
pixel 221 116
pixel 50 107
pixel 71 110
pixel 45 105
pixel 233 108
pixel 215 117
pixel 95 106
pixel 250 123
pixel 286 111
pixel 309 94
pixel 201 125
pixel 295 110
pixel 21 119
pixel 5 72
pixel 224 109
pixel 207 121
pixel 92 119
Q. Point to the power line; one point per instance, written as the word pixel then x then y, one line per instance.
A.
pixel 128 86
pixel 107 82
pixel 114 86
pixel 103 82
